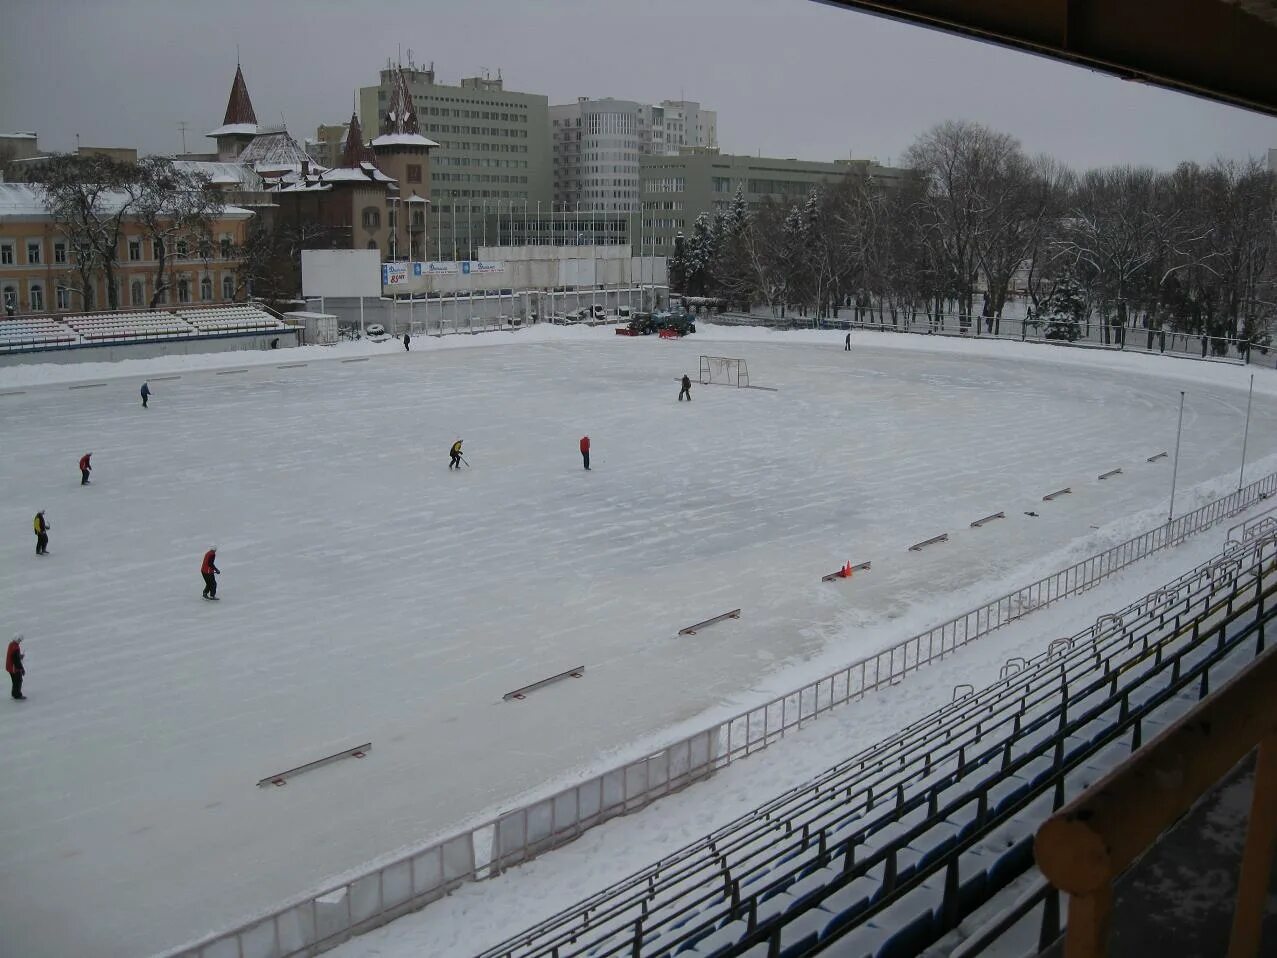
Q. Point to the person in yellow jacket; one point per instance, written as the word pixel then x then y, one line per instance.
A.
pixel 455 453
pixel 41 526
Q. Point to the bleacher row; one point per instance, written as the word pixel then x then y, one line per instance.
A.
pixel 888 852
pixel 98 328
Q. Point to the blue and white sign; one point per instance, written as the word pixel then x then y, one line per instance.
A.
pixel 416 269
pixel 437 268
pixel 392 274
pixel 481 266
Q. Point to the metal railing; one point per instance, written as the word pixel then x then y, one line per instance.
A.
pixel 321 921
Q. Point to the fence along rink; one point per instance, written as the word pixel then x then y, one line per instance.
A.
pixel 723 370
pixel 317 923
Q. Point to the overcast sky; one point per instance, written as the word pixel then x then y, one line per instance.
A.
pixel 788 77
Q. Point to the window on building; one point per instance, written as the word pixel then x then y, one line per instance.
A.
pixel 722 184
pixel 162 296
pixel 414 172
pixel 181 249
pixel 228 287
pixel 206 248
pixel 371 217
pixel 157 249
pixel 372 244
pixel 33 252
pixel 183 290
pixel 59 252
pixel 10 300
pixel 6 253
pixel 206 290
pixel 37 297
pixel 136 293
pixel 63 294
pixel 226 247
pixel 135 250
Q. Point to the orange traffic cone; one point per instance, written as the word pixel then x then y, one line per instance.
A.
pixel 846 570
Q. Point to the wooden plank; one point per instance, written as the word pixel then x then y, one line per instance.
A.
pixel 520 694
pixel 691 629
pixel 1110 474
pixel 1058 492
pixel 838 575
pixel 919 546
pixel 279 778
pixel 1160 455
pixel 979 522
pixel 87 386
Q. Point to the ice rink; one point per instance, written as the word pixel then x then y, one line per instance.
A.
pixel 369 594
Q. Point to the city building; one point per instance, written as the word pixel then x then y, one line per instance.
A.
pixel 678 189
pixel 239 123
pixel 493 143
pixel 595 152
pixel 18 146
pixel 668 126
pixel 404 154
pixel 38 263
pixel 328 143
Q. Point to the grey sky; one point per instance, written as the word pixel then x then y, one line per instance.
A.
pixel 788 77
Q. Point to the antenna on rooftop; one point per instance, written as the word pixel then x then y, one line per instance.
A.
pixel 181 126
pixel 237 55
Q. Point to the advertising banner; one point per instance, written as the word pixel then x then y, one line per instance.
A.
pixel 392 274
pixel 481 266
pixel 434 268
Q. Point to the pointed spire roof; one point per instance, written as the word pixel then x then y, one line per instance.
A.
pixel 356 150
pixel 239 117
pixel 399 126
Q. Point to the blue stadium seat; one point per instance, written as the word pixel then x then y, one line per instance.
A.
pixel 910 940
pixel 1012 864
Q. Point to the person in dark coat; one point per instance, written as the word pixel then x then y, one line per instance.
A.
pixel 406 340
pixel 847 348
pixel 13 665
pixel 86 467
pixel 686 391
pixel 455 454
pixel 585 451
pixel 41 527
pixel 146 393
pixel 210 572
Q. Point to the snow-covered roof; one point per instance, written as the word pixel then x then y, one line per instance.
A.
pixel 18 136
pixel 26 201
pixel 223 174
pixel 275 151
pixel 402 139
pixel 233 129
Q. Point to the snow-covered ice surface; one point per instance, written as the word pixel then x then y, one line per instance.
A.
pixel 370 594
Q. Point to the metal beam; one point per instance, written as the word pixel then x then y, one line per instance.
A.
pixel 1210 48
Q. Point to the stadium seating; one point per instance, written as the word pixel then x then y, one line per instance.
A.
pixel 889 851
pixel 23 331
pixel 107 327
pixel 226 319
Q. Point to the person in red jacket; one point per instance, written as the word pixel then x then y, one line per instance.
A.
pixel 210 571
pixel 13 665
pixel 85 468
pixel 585 451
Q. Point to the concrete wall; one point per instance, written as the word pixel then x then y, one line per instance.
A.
pixel 159 347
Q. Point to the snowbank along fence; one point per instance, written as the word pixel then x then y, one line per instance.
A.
pixel 322 921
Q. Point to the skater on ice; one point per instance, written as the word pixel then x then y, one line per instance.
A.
pixel 210 572
pixel 13 665
pixel 146 393
pixel 585 451
pixel 406 340
pixel 86 467
pixel 686 390
pixel 455 453
pixel 847 347
pixel 41 526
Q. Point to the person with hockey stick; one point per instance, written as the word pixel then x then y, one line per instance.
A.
pixel 86 467
pixel 210 572
pixel 686 391
pixel 455 453
pixel 585 451
pixel 847 347
pixel 41 526
pixel 13 665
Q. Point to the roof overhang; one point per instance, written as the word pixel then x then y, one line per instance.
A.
pixel 1224 50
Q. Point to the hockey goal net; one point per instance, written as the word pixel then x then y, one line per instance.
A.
pixel 724 371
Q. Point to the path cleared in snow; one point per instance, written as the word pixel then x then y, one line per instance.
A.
pixel 370 594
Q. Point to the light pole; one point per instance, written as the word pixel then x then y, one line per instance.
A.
pixel 1175 468
pixel 1246 431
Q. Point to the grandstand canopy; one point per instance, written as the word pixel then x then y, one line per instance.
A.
pixel 1224 50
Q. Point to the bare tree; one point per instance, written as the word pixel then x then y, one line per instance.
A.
pixel 177 210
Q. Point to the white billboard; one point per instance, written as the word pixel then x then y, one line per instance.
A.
pixel 341 272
